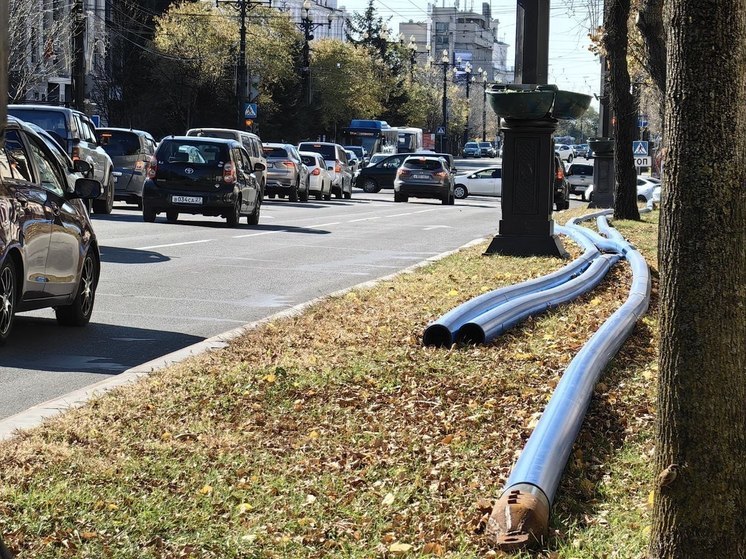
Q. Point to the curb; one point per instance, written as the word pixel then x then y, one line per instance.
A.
pixel 35 415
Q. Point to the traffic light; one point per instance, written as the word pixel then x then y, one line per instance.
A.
pixel 249 124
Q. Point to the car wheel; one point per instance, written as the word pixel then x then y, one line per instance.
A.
pixel 79 312
pixel 328 196
pixel 235 216
pixel 460 191
pixel 338 192
pixel 319 195
pixel 304 194
pixel 107 205
pixel 347 195
pixel 370 186
pixel 451 200
pixel 8 294
pixel 642 199
pixel 172 216
pixel 253 217
pixel 293 197
pixel 569 158
pixel 148 213
pixel 398 197
pixel 138 203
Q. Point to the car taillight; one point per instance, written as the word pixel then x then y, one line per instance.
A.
pixel 288 164
pixel 440 174
pixel 75 154
pixel 402 172
pixel 229 173
pixel 139 166
pixel 338 167
pixel 316 172
pixel 152 167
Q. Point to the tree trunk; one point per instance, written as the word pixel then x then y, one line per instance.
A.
pixel 702 248
pixel 650 23
pixel 623 107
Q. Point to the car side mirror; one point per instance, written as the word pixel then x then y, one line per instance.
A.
pixel 86 189
pixel 259 166
pixel 82 166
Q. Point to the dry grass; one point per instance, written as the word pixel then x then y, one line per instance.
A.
pixel 336 434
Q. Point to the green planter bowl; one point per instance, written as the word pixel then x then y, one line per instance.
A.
pixel 601 146
pixel 524 104
pixel 569 105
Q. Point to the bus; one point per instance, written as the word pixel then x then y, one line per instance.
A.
pixel 375 136
pixel 410 140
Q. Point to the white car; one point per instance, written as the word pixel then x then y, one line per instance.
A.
pixel 482 182
pixel 566 153
pixel 656 202
pixel 580 176
pixel 645 189
pixel 320 180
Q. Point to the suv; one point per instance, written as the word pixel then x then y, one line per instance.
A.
pixel 471 149
pixel 336 162
pixel 208 176
pixel 423 176
pixel 580 177
pixel 486 149
pixel 381 174
pixel 250 141
pixel 560 186
pixel 286 173
pixel 566 153
pixel 75 132
pixel 49 254
pixel 362 154
pixel 130 152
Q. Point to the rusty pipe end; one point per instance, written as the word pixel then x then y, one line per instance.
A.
pixel 519 519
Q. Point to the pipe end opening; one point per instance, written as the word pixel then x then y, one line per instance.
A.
pixel 470 334
pixel 437 335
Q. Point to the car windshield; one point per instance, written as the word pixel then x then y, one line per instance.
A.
pixel 117 143
pixel 274 152
pixel 485 145
pixel 581 169
pixel 357 150
pixel 471 145
pixel 328 151
pixel 53 121
pixel 426 164
pixel 196 152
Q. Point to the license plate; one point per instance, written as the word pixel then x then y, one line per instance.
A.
pixel 186 199
pixel 420 177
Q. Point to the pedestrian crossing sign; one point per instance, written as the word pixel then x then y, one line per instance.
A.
pixel 639 147
pixel 250 111
pixel 441 130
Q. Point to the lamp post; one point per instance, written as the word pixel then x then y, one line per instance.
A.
pixel 445 62
pixel 307 25
pixel 483 73
pixel 412 46
pixel 467 69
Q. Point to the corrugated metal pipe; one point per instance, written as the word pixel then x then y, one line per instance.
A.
pixel 520 517
pixel 443 332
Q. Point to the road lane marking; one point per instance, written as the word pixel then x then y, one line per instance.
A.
pixel 175 244
pixel 258 234
pixel 323 225
pixel 364 219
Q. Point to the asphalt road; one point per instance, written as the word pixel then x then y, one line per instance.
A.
pixel 165 286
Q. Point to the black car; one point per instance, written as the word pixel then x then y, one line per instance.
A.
pixel 207 176
pixel 382 174
pixel 130 151
pixel 560 186
pixel 424 177
pixel 49 254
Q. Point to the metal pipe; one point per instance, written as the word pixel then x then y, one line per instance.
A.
pixel 544 457
pixel 442 332
pixel 487 326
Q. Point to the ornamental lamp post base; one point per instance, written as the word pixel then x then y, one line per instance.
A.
pixel 526 227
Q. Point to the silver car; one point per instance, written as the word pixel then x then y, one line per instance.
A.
pixel 286 173
pixel 337 164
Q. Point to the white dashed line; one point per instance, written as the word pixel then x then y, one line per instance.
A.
pixel 175 244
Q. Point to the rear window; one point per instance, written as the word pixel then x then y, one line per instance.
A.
pixel 224 134
pixel 581 169
pixel 426 164
pixel 326 150
pixel 196 152
pixel 272 151
pixel 308 160
pixel 53 121
pixel 117 143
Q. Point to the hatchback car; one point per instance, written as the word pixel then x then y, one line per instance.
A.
pixel 75 132
pixel 320 180
pixel 424 177
pixel 471 149
pixel 286 173
pixel 486 149
pixel 337 163
pixel 130 152
pixel 49 254
pixel 482 182
pixel 207 176
pixel 382 173
pixel 580 177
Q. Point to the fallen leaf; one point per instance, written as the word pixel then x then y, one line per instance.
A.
pixel 243 508
pixel 388 499
pixel 433 549
pixel 447 439
pixel 399 548
pixel 88 535
pixel 452 293
pixel 206 489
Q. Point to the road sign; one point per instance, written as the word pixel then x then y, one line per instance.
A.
pixel 642 161
pixel 441 130
pixel 250 110
pixel 96 120
pixel 639 147
pixel 642 121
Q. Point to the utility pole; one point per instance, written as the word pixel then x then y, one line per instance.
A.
pixel 241 86
pixel 78 49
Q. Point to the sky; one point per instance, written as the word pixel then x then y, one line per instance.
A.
pixel 571 65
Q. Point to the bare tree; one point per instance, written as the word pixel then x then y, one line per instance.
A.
pixel 38 45
pixel 700 511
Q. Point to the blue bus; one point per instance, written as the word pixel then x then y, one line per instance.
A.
pixel 376 136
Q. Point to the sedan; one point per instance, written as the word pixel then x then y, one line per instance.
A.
pixel 49 254
pixel 645 189
pixel 483 182
pixel 320 179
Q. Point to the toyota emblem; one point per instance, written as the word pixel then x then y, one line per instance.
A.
pixel 189 170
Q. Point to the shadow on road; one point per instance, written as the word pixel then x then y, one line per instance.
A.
pixel 120 255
